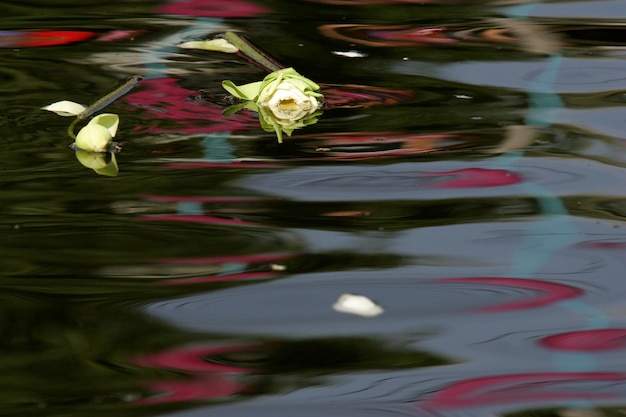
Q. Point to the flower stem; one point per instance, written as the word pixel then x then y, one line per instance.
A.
pixel 254 54
pixel 117 92
pixel 70 128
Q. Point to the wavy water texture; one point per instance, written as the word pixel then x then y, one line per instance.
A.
pixel 466 176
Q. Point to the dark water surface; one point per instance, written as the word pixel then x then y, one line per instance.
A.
pixel 470 180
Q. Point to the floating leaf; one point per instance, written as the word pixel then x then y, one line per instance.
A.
pixel 244 92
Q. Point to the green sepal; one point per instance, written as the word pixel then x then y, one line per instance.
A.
pixel 244 92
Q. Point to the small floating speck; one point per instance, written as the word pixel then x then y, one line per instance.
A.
pixel 357 304
pixel 278 267
pixel 350 54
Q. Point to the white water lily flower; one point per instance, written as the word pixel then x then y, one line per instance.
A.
pixel 220 45
pixel 285 101
pixel 97 135
pixel 65 108
pixel 288 104
pixel 357 304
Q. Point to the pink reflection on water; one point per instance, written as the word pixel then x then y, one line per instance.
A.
pixel 476 177
pixel 205 380
pixel 389 35
pixel 362 145
pixel 262 260
pixel 163 99
pixel 349 96
pixel 211 8
pixel 587 340
pixel 192 359
pixel 548 387
pixel 546 292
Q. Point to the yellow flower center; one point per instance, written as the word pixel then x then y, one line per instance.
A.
pixel 288 104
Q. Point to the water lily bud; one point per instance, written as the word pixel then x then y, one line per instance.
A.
pixel 97 135
pixel 93 138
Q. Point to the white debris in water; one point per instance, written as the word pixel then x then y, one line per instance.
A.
pixel 350 54
pixel 278 267
pixel 357 304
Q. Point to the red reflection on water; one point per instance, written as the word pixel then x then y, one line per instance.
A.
pixel 547 292
pixel 204 387
pixel 193 359
pixel 388 35
pixel 349 96
pixel 263 260
pixel 520 388
pixel 205 379
pixel 164 99
pixel 587 340
pixel 603 245
pixel 244 276
pixel 38 38
pixel 211 8
pixel 382 144
pixel 476 177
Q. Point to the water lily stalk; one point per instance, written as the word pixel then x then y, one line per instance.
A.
pixel 252 53
pixel 116 92
pixel 71 127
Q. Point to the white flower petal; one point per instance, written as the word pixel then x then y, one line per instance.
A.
pixel 221 45
pixel 65 108
pixel 109 121
pixel 357 304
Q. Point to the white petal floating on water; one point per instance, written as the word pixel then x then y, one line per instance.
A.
pixel 350 54
pixel 65 108
pixel 220 45
pixel 357 304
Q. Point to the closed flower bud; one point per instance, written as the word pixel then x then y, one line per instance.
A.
pixel 97 135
